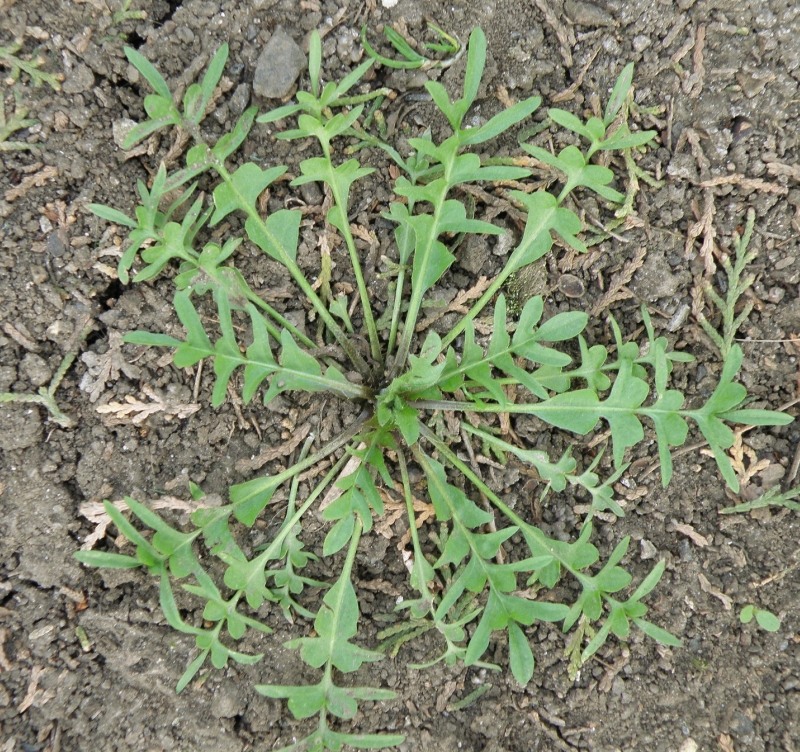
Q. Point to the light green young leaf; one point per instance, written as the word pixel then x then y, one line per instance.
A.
pixel 767 620
pixel 500 122
pixel 107 560
pixel 304 700
pixel 243 189
pixel 657 633
pixel 336 623
pixel 619 94
pixel 145 67
pixel 520 655
pixel 277 235
pixel 208 85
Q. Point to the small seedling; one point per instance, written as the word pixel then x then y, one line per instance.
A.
pixel 122 12
pixel 477 573
pixel 28 66
pixel 737 284
pixel 773 497
pixel 46 396
pixel 765 619
pixel 11 124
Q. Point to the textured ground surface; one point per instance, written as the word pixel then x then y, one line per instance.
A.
pixel 86 661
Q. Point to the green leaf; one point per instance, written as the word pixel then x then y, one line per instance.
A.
pixel 658 634
pixel 442 100
pixel 520 656
pixel 596 642
pixel 671 428
pixel 302 372
pixel 431 258
pixel 476 60
pixel 304 701
pixel 250 498
pixel 278 235
pixel 112 215
pixel 570 122
pixel 500 122
pixel 170 608
pixel 336 623
pixel 279 113
pixel 243 189
pixel 759 417
pixel 145 67
pixel 619 94
pixel 141 131
pixel 649 582
pixel 191 671
pixel 107 560
pixel 228 143
pixel 767 620
pixel 339 535
pixel 209 83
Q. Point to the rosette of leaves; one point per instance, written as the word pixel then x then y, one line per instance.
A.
pixel 467 582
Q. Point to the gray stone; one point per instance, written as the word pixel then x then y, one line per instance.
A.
pixel 279 66
pixel 587 14
pixel 474 255
pixel 79 79
pixel 227 702
pixel 35 368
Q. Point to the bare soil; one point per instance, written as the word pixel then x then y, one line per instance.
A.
pixel 86 659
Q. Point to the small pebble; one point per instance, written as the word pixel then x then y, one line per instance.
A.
pixel 587 14
pixel 79 79
pixel 571 286
pixel 775 294
pixel 311 193
pixel 120 130
pixel 279 65
pixel 35 369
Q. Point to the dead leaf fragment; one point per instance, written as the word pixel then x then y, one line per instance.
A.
pixel 95 512
pixel 284 449
pixel 36 180
pixel 136 411
pixel 699 540
pixel 101 369
pixel 34 694
pixel 707 587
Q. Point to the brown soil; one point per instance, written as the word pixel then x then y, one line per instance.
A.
pixel 86 658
